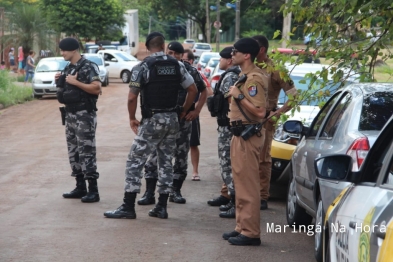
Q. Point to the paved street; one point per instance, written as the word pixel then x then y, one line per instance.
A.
pixel 38 224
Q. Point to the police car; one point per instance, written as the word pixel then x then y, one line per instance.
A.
pixel 358 225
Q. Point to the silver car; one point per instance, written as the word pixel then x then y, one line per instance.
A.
pixel 358 225
pixel 44 76
pixel 349 123
pixel 99 60
pixel 210 66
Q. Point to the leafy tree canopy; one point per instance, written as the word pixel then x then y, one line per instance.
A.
pixel 89 19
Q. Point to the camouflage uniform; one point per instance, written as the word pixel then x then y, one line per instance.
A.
pixel 156 134
pixel 224 138
pixel 80 129
pixel 276 83
pixel 183 136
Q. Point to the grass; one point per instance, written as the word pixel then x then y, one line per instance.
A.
pixel 11 93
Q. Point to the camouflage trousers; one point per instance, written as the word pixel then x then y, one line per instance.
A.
pixel 180 154
pixel 80 129
pixel 224 156
pixel 155 134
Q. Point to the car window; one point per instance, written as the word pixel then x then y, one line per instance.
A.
pixel 95 59
pixel 376 110
pixel 322 114
pixel 126 57
pixel 204 47
pixel 206 57
pixel 51 65
pixel 389 176
pixel 213 62
pixel 335 117
pixel 108 57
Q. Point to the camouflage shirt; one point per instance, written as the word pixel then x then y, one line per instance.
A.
pixel 88 73
pixel 229 80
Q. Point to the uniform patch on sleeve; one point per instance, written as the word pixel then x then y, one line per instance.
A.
pixel 252 89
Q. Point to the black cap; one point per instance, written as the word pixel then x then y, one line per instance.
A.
pixel 248 46
pixel 151 36
pixel 176 46
pixel 226 52
pixel 69 44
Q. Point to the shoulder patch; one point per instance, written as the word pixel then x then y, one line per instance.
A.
pixel 252 89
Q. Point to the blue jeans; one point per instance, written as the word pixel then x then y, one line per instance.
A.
pixel 29 74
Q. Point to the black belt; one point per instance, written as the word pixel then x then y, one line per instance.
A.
pixel 73 108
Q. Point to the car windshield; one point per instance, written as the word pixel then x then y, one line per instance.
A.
pixel 304 86
pixel 94 59
pixel 376 110
pixel 204 47
pixel 126 57
pixel 206 57
pixel 51 65
pixel 213 62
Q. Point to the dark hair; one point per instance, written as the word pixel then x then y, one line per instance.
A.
pixel 156 42
pixel 31 52
pixel 190 54
pixel 262 41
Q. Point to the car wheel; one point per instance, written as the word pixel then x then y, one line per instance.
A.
pixel 107 80
pixel 317 61
pixel 296 215
pixel 125 76
pixel 318 234
pixel 105 83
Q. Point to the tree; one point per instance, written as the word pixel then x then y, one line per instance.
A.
pixel 89 19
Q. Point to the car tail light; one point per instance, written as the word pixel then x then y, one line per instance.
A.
pixel 214 80
pixel 358 151
pixel 194 50
pixel 207 72
pixel 199 67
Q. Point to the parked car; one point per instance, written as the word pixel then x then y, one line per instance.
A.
pixel 210 65
pixel 99 60
pixel 93 48
pixel 189 41
pixel 44 77
pixel 204 58
pixel 120 64
pixel 358 225
pixel 349 123
pixel 199 48
pixel 215 76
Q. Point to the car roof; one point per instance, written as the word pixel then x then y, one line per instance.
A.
pixel 202 44
pixel 369 88
pixel 52 58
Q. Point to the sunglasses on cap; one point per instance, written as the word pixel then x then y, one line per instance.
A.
pixel 234 51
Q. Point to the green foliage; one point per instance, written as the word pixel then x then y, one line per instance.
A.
pixel 252 33
pixel 89 19
pixel 11 93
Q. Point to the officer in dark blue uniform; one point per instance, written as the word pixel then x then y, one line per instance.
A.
pixel 78 88
pixel 158 79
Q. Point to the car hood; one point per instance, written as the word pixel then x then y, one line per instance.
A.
pixel 306 114
pixel 102 69
pixel 45 76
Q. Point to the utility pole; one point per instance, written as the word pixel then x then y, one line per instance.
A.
pixel 2 33
pixel 149 24
pixel 237 26
pixel 218 27
pixel 207 22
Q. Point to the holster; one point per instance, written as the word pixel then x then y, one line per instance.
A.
pixel 236 127
pixel 222 121
pixel 63 114
pixel 146 112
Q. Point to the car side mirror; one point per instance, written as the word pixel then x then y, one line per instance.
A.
pixel 293 127
pixel 107 64
pixel 113 60
pixel 133 44
pixel 334 167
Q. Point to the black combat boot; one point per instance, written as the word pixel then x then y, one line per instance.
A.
pixel 227 206
pixel 92 195
pixel 218 201
pixel 242 240
pixel 148 198
pixel 126 210
pixel 176 195
pixel 80 190
pixel 230 213
pixel 160 209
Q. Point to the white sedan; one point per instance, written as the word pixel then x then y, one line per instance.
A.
pixel 120 64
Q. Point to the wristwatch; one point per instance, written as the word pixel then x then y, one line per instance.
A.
pixel 240 97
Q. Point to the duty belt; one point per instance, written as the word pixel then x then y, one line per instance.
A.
pixel 73 108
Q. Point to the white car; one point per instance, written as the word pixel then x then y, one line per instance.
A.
pixel 44 76
pixel 120 64
pixel 93 48
pixel 189 41
pixel 205 57
pixel 99 60
pixel 199 48
pixel 211 65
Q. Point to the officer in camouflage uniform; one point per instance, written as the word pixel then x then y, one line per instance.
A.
pixel 176 50
pixel 78 88
pixel 227 79
pixel 158 79
pixel 276 83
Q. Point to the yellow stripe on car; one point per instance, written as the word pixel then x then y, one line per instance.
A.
pixel 386 250
pixel 334 203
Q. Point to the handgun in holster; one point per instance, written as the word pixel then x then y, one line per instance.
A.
pixel 236 127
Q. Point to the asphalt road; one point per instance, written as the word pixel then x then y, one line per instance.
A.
pixel 38 224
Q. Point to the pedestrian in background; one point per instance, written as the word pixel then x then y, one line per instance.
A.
pixel 247 108
pixel 21 58
pixel 276 83
pixel 11 59
pixel 79 86
pixel 158 78
pixel 30 66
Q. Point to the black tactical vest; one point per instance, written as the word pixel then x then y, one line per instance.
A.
pixel 162 88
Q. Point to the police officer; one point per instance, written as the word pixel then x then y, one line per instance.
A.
pixel 276 84
pixel 176 50
pixel 227 79
pixel 78 88
pixel 248 106
pixel 158 79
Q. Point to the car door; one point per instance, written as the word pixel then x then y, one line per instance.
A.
pixel 305 152
pixel 113 66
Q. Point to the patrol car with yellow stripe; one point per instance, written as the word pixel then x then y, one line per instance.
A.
pixel 358 224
